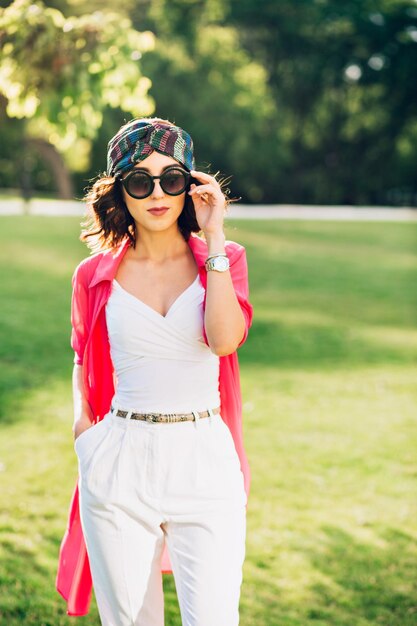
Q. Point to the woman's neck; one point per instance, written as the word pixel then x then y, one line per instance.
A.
pixel 159 246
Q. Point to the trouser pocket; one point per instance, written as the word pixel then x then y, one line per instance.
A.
pixel 219 472
pixel 87 447
pixel 223 446
pixel 86 442
pixel 107 470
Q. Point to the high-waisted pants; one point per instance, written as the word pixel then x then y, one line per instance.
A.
pixel 144 483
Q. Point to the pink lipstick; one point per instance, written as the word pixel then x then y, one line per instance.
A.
pixel 158 210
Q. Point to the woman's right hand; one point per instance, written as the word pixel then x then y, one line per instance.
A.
pixel 80 425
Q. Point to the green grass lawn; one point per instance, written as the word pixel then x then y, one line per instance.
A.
pixel 330 393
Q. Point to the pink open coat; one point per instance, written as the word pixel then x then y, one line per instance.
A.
pixel 91 283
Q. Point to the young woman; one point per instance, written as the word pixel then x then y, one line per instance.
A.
pixel 157 314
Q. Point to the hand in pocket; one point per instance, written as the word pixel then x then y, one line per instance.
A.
pixel 80 426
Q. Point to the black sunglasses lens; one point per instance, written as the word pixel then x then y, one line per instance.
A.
pixel 174 182
pixel 139 185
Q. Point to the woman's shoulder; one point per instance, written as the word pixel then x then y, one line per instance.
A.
pixel 86 267
pixel 89 263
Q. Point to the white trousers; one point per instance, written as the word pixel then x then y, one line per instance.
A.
pixel 141 484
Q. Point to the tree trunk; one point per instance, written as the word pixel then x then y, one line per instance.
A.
pixel 55 162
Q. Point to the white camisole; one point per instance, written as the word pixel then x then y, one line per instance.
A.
pixel 162 364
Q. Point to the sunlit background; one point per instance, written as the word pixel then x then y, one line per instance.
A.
pixel 307 102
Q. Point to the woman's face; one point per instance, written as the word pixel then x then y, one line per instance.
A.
pixel 154 165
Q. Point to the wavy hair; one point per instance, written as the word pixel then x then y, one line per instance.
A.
pixel 107 221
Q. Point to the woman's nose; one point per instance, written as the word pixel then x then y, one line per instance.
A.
pixel 157 192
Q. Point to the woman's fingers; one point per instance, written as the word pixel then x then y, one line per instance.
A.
pixel 202 189
pixel 206 178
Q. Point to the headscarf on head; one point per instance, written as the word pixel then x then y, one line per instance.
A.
pixel 140 137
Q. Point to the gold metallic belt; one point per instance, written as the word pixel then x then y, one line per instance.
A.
pixel 165 417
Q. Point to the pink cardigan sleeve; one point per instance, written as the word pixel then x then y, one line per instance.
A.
pixel 239 273
pixel 79 310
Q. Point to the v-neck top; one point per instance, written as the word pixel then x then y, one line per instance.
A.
pixel 162 363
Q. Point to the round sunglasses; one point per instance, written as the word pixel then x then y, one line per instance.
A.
pixel 140 184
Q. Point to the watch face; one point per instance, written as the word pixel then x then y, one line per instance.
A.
pixel 221 263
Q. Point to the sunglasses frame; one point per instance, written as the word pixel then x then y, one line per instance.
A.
pixel 125 181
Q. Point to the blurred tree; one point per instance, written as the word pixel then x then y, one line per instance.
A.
pixel 59 73
pixel 204 80
pixel 307 102
pixel 219 94
pixel 343 79
pixel 337 82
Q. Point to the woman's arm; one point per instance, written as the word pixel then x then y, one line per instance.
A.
pixel 223 319
pixel 79 306
pixel 83 415
pixel 228 313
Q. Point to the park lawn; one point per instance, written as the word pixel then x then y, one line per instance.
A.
pixel 328 378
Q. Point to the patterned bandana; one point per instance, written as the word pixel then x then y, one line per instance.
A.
pixel 140 137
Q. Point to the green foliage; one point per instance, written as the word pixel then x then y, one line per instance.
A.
pixel 220 95
pixel 338 84
pixel 299 102
pixel 60 72
pixel 343 78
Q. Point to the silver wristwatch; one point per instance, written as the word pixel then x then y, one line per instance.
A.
pixel 218 263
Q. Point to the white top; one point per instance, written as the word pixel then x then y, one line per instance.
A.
pixel 162 364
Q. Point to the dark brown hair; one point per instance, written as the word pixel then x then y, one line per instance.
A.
pixel 108 221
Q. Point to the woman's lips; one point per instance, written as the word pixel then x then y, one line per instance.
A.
pixel 158 210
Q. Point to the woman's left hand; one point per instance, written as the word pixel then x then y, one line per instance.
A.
pixel 209 203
